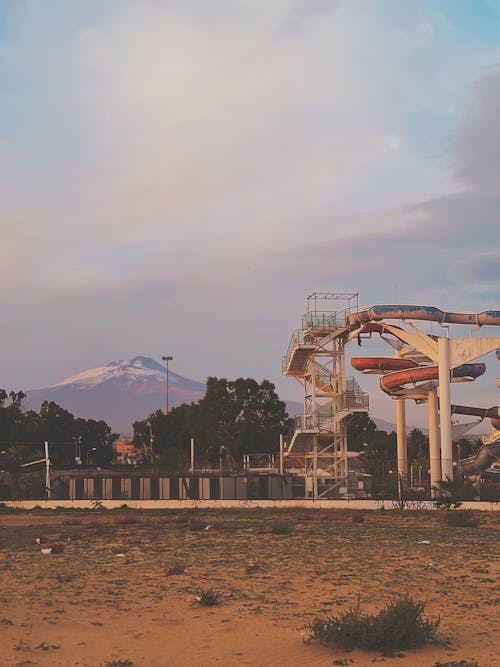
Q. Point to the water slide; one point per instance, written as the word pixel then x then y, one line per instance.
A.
pixel 427 313
pixel 400 372
pixel 482 459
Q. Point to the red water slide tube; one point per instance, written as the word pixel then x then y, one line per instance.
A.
pixel 401 372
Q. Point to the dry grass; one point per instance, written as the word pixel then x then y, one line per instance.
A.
pixel 114 574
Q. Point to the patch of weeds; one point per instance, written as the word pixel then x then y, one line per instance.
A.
pixel 6 621
pixel 456 663
pixel 197 525
pixel 342 661
pixel 58 548
pixel 97 505
pixel 251 567
pixel 118 663
pixel 208 597
pixel 398 625
pixel 72 522
pixel 461 519
pixel 357 517
pixel 128 520
pixel 225 527
pixel 47 647
pixel 175 569
pixel 281 527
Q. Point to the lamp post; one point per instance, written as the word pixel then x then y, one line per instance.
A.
pixel 221 492
pixel 167 358
pixel 151 442
pixel 94 449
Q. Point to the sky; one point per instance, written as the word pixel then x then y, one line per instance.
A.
pixel 176 176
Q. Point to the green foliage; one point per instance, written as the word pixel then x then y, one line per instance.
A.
pixel 461 519
pixel 242 415
pixel 64 432
pixel 451 492
pixel 360 430
pixel 398 625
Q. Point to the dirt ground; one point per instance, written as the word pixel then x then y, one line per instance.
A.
pixel 109 600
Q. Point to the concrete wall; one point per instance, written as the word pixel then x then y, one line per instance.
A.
pixel 412 505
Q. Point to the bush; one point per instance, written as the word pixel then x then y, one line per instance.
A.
pixel 208 597
pixel 281 527
pixel 176 568
pixel 197 525
pixel 398 625
pixel 461 519
pixel 451 492
pixel 456 663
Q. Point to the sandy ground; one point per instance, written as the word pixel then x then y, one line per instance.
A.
pixel 108 599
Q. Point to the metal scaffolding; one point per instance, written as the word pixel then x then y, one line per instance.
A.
pixel 316 358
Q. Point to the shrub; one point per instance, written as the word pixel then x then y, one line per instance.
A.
pixel 281 527
pixel 398 625
pixel 451 492
pixel 197 525
pixel 174 569
pixel 57 548
pixel 456 663
pixel 208 597
pixel 357 518
pixel 461 519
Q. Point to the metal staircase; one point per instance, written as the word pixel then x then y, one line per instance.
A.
pixel 316 358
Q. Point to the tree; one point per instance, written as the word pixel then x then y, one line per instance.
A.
pixel 360 430
pixel 23 433
pixel 379 459
pixel 242 415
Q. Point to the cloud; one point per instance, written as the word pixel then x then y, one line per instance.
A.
pixel 185 173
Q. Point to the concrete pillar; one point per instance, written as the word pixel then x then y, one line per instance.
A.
pixel 434 446
pixel 445 407
pixel 401 439
pixel 315 468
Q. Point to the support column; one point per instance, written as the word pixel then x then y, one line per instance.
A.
pixel 282 448
pixel 401 438
pixel 315 467
pixel 434 447
pixel 445 407
pixel 47 472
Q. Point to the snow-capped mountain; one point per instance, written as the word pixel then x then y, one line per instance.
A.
pixel 121 392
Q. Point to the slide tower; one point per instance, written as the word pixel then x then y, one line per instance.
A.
pixel 316 358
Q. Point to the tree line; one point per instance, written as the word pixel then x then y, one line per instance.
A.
pixel 23 433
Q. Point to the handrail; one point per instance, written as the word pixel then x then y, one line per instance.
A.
pixel 351 399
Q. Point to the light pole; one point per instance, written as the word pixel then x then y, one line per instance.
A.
pixel 94 449
pixel 151 442
pixel 167 358
pixel 221 492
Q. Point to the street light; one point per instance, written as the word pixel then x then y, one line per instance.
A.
pixel 94 449
pixel 167 358
pixel 151 442
pixel 221 493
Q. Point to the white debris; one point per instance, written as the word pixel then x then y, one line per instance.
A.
pixel 46 551
pixel 423 542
